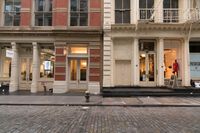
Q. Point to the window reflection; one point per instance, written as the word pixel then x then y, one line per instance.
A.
pixel 47 63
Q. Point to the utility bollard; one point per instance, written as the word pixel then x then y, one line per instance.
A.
pixel 87 96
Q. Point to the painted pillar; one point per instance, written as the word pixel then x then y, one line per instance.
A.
pixel 160 60
pixel 36 68
pixel 14 80
pixel 158 13
pixel 186 63
pixel 60 76
pixel 135 60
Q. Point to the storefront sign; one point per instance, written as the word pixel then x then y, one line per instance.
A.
pixel 9 53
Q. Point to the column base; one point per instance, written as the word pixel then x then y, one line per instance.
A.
pixel 94 87
pixel 13 87
pixel 60 87
pixel 34 88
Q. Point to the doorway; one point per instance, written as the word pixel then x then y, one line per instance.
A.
pixel 25 73
pixel 78 74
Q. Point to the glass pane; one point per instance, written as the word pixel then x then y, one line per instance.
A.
pixel 118 17
pixel 83 5
pixel 126 4
pixel 47 19
pixel 74 19
pixel 39 5
pixel 83 19
pixel 83 70
pixel 142 67
pixel 8 19
pixel 47 5
pixel 23 69
pixel 8 5
pixel 151 67
pixel 146 46
pixel 150 3
pixel 74 4
pixel 78 50
pixel 174 3
pixel 17 5
pixel 39 19
pixel 16 19
pixel 142 4
pixel 73 70
pixel 6 67
pixel 166 4
pixel 126 16
pixel 118 4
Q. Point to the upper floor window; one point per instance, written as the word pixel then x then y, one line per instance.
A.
pixel 146 9
pixel 12 12
pixel 79 13
pixel 170 11
pixel 43 12
pixel 122 11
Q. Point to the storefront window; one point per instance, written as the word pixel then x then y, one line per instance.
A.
pixel 47 63
pixel 78 50
pixel 170 55
pixel 5 64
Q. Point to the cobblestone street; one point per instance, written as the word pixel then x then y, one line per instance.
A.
pixel 76 119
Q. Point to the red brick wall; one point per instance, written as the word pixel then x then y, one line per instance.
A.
pixel 60 63
pixel 95 62
pixel 95 13
pixel 60 17
pixel 26 12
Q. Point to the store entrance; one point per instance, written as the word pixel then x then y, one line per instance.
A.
pixel 147 61
pixel 25 77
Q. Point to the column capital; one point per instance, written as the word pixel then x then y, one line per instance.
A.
pixel 35 44
pixel 13 43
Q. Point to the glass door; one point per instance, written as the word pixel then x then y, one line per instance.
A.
pixel 78 73
pixel 147 69
pixel 25 73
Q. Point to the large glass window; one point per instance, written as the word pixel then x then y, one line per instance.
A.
pixel 43 12
pixel 47 63
pixel 170 11
pixel 12 12
pixel 79 13
pixel 122 11
pixel 146 9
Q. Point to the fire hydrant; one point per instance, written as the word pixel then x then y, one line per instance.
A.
pixel 87 96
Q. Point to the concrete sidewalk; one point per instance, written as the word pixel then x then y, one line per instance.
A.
pixel 99 101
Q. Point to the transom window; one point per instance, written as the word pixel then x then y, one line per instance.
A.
pixel 170 11
pixel 78 50
pixel 122 11
pixel 146 9
pixel 43 12
pixel 79 13
pixel 12 12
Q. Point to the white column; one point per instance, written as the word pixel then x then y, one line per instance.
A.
pixel 158 11
pixel 186 63
pixel 14 80
pixel 135 61
pixel 35 69
pixel 160 60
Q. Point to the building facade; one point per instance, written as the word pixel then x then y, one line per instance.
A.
pixel 52 43
pixel 143 38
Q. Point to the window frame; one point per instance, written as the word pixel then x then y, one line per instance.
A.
pixel 78 12
pixel 43 13
pixel 13 12
pixel 122 11
pixel 171 14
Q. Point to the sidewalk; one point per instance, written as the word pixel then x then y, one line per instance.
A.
pixel 99 101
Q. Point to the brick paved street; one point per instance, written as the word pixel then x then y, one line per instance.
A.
pixel 75 119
